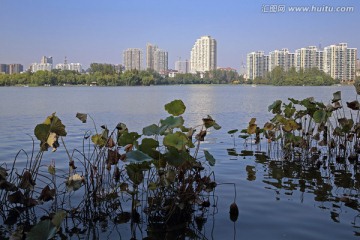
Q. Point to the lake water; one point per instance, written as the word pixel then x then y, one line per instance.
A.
pixel 275 201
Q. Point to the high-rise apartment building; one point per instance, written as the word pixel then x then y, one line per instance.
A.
pixel 46 59
pixel 4 69
pixel 340 62
pixel 150 56
pixel 281 58
pixel 15 68
pixel 203 56
pixel 306 58
pixel 69 66
pixel 358 68
pixel 160 61
pixel 46 64
pixel 257 64
pixel 132 58
pixel 182 66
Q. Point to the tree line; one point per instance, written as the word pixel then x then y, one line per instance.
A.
pixel 108 75
pixel 309 77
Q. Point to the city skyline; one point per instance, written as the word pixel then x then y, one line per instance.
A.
pixel 90 31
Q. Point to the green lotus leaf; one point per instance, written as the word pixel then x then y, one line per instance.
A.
pixel 82 117
pixel 233 131
pixel 128 138
pixel 135 173
pixel 151 130
pixel 176 158
pixel 137 156
pixel 172 122
pixel 209 158
pixel 275 108
pixel 177 140
pixel 175 108
pixel 57 127
pixel 320 116
pixel 42 131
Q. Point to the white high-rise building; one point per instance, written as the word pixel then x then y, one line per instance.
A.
pixel 160 61
pixel 203 56
pixel 46 64
pixel 257 64
pixel 306 58
pixel 133 58
pixel 281 58
pixel 41 67
pixel 340 62
pixel 69 66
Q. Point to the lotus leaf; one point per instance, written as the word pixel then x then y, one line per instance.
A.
pixel 172 122
pixel 137 157
pixel 151 130
pixel 354 105
pixel 209 158
pixel 82 117
pixel 128 138
pixel 337 96
pixel 275 108
pixel 175 108
pixel 177 140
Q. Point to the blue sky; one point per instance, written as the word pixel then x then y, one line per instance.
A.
pixel 99 31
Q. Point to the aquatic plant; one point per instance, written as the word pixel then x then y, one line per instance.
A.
pixel 119 176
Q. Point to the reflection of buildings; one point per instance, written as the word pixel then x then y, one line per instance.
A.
pixel 133 58
pixel 203 55
pixel 338 61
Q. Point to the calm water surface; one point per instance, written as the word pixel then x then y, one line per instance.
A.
pixel 274 203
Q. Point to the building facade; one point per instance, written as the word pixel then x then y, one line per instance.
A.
pixel 150 56
pixel 281 58
pixel 203 55
pixel 15 68
pixel 338 61
pixel 4 69
pixel 160 61
pixel 132 58
pixel 257 64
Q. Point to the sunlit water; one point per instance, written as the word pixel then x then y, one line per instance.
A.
pixel 269 208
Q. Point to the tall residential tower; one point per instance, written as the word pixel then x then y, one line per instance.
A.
pixel 203 55
pixel 133 58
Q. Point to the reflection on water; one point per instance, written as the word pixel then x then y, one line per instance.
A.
pixel 333 186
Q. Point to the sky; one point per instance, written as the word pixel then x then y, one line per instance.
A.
pixel 87 31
